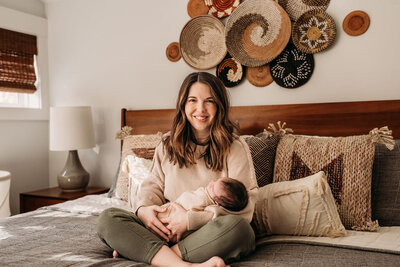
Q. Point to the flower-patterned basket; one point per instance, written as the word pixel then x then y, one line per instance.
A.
pixel 314 31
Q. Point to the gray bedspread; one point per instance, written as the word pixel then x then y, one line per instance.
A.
pixel 54 237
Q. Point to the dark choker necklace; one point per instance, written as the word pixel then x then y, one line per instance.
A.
pixel 199 143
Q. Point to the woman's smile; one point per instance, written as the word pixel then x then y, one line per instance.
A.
pixel 201 118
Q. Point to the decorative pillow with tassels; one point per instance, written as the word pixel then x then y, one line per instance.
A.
pixel 347 162
pixel 142 146
pixel 303 207
pixel 263 148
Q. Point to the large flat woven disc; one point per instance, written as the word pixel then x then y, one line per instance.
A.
pixel 202 42
pixel 257 32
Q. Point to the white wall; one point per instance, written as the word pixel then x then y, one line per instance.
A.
pixel 110 54
pixel 24 152
pixel 24 132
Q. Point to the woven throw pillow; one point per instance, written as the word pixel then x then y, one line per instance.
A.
pixel 142 146
pixel 386 185
pixel 302 207
pixel 262 149
pixel 138 169
pixel 347 162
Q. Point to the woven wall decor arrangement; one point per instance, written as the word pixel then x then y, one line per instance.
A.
pixel 259 76
pixel 292 68
pixel 264 40
pixel 202 42
pixel 221 8
pixel 295 8
pixel 257 32
pixel 230 71
pixel 314 31
pixel 356 23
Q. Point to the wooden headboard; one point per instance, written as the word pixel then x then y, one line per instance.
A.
pixel 323 119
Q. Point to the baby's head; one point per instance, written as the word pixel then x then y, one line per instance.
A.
pixel 228 193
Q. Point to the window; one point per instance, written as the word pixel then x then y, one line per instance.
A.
pixel 20 100
pixel 18 71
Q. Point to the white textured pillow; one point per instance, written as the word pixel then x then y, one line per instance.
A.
pixel 142 146
pixel 138 169
pixel 301 207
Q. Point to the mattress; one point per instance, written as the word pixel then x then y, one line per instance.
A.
pixel 65 235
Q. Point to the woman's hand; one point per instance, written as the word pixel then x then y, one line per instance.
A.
pixel 148 215
pixel 177 222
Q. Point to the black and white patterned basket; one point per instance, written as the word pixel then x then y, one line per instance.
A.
pixel 292 68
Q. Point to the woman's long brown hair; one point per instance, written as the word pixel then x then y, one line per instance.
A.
pixel 178 143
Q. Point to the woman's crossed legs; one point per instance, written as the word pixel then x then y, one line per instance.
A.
pixel 229 237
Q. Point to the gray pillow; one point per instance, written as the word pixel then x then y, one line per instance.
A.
pixel 263 149
pixel 386 185
pixel 111 192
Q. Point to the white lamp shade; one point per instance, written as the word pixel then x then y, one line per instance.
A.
pixel 71 128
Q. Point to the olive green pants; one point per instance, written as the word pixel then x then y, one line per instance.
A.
pixel 230 237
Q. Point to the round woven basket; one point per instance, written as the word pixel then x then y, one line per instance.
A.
pixel 292 68
pixel 173 52
pixel 295 8
pixel 314 31
pixel 257 32
pixel 196 8
pixel 356 23
pixel 259 76
pixel 202 42
pixel 221 8
pixel 230 71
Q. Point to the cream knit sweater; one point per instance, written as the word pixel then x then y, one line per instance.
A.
pixel 167 181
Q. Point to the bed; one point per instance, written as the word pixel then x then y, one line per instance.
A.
pixel 65 234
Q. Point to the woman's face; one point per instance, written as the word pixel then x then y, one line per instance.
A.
pixel 200 110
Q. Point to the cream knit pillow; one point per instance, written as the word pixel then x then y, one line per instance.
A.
pixel 138 169
pixel 142 146
pixel 302 207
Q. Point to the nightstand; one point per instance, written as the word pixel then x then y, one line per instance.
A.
pixel 33 200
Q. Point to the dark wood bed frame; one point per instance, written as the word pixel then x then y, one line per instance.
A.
pixel 323 119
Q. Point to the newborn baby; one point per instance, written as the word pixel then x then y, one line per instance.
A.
pixel 226 192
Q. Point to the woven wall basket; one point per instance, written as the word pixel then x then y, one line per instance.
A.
pixel 292 68
pixel 173 52
pixel 257 32
pixel 221 8
pixel 202 42
pixel 295 8
pixel 230 71
pixel 314 31
pixel 356 23
pixel 259 76
pixel 196 8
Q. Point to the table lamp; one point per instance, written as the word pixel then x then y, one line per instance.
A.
pixel 71 128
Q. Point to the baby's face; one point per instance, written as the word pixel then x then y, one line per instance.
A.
pixel 215 188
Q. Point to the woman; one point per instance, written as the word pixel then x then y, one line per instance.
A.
pixel 200 146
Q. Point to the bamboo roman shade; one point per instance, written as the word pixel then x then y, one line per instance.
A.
pixel 17 70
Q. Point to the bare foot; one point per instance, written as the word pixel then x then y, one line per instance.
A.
pixel 214 262
pixel 115 254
